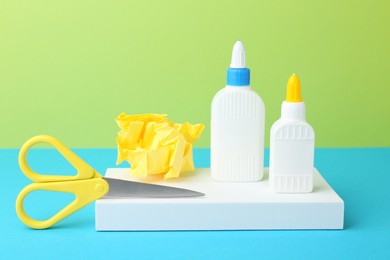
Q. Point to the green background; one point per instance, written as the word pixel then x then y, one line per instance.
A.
pixel 68 68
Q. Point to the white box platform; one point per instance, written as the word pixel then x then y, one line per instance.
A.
pixel 226 206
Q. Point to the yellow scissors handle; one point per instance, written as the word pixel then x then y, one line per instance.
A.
pixel 84 171
pixel 86 191
pixel 87 186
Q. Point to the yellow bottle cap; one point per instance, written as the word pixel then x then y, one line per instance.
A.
pixel 293 89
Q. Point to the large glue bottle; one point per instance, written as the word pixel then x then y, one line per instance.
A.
pixel 292 145
pixel 237 126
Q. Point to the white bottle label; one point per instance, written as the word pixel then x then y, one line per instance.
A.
pixel 291 157
pixel 237 135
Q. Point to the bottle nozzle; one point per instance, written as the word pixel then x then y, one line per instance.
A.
pixel 238 56
pixel 293 89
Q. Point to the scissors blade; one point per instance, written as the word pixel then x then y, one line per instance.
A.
pixel 122 188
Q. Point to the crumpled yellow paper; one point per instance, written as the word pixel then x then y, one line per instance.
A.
pixel 152 144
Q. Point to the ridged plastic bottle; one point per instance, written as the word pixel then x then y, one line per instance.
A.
pixel 237 126
pixel 292 145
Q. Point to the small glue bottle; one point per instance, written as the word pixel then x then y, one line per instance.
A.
pixel 292 145
pixel 237 126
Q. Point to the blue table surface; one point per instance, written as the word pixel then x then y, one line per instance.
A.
pixel 361 177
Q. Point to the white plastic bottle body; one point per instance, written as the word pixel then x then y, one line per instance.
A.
pixel 237 135
pixel 291 156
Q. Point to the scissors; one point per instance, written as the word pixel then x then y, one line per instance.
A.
pixel 87 185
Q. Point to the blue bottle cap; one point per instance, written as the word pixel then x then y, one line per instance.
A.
pixel 238 77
